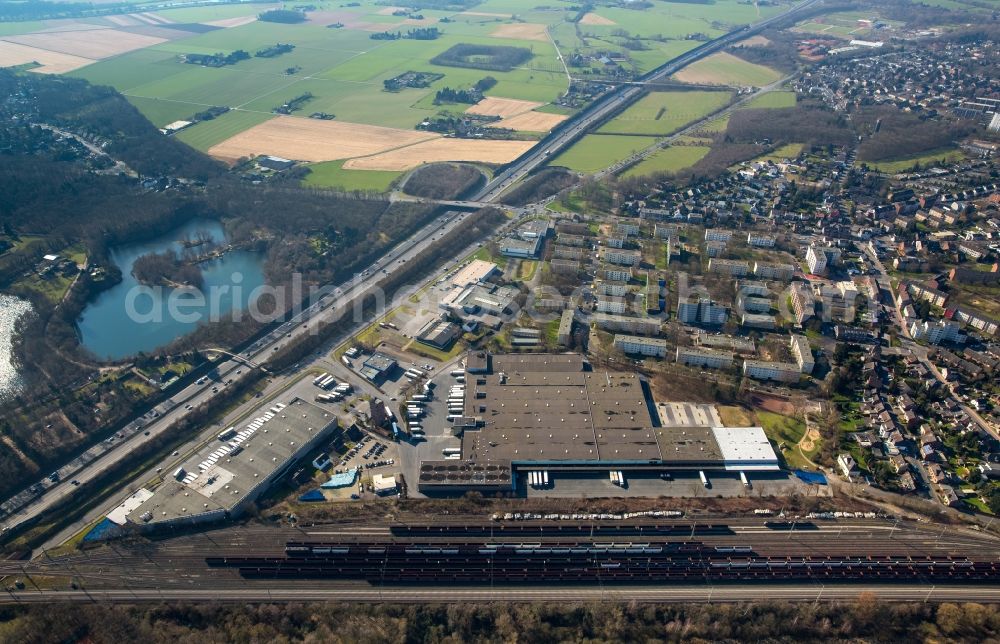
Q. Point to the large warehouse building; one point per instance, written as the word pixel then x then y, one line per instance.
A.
pixel 553 412
pixel 222 478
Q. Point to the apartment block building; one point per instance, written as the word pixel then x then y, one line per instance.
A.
pixel 803 353
pixel 626 324
pixel 760 241
pixel 622 257
pixel 718 234
pixel 697 357
pixel 768 271
pixel 777 371
pixel 633 344
pixel 736 268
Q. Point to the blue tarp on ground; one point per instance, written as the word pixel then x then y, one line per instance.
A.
pixel 312 495
pixel 106 529
pixel 341 480
pixel 813 478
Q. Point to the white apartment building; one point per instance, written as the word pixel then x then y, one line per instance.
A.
pixel 803 353
pixel 732 267
pixel 622 257
pixel 634 344
pixel 778 371
pixel 760 241
pixel 816 260
pixel 717 234
pixel 695 357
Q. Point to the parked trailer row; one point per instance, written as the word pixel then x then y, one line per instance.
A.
pixel 617 478
pixel 318 379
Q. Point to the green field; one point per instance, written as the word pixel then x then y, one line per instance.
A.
pixel 662 113
pixel 772 100
pixel 671 159
pixel 597 151
pixel 930 158
pixel 726 69
pixel 331 174
pixel 205 134
pixel 788 151
pixel 344 69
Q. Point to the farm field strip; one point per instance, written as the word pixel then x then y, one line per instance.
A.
pixel 671 159
pixel 663 113
pixel 502 107
pixel 723 68
pixel 305 139
pixel 91 43
pixel 531 121
pixel 343 71
pixel 52 62
pixel 472 150
pixel 598 151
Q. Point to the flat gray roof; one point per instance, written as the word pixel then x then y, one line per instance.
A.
pixel 544 408
pixel 222 473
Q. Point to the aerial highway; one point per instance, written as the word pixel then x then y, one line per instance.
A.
pixel 329 303
pixel 615 101
pixel 335 300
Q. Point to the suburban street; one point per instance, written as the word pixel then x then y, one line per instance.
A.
pixel 918 350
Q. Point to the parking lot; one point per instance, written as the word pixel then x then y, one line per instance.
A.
pixel 371 455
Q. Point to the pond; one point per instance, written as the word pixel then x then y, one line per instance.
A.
pixel 132 317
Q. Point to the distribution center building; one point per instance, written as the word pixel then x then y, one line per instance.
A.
pixel 219 480
pixel 553 411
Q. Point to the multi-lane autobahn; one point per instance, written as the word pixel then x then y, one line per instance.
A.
pixel 328 304
pixel 335 300
pixel 617 100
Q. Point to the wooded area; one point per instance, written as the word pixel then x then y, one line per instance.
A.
pixel 866 619
pixel 443 181
pixel 48 190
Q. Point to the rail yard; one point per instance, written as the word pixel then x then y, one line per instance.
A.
pixel 630 557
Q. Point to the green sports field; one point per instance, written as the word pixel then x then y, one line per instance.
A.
pixel 726 69
pixel 662 113
pixel 332 175
pixel 671 159
pixel 950 155
pixel 208 133
pixel 773 100
pixel 597 151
